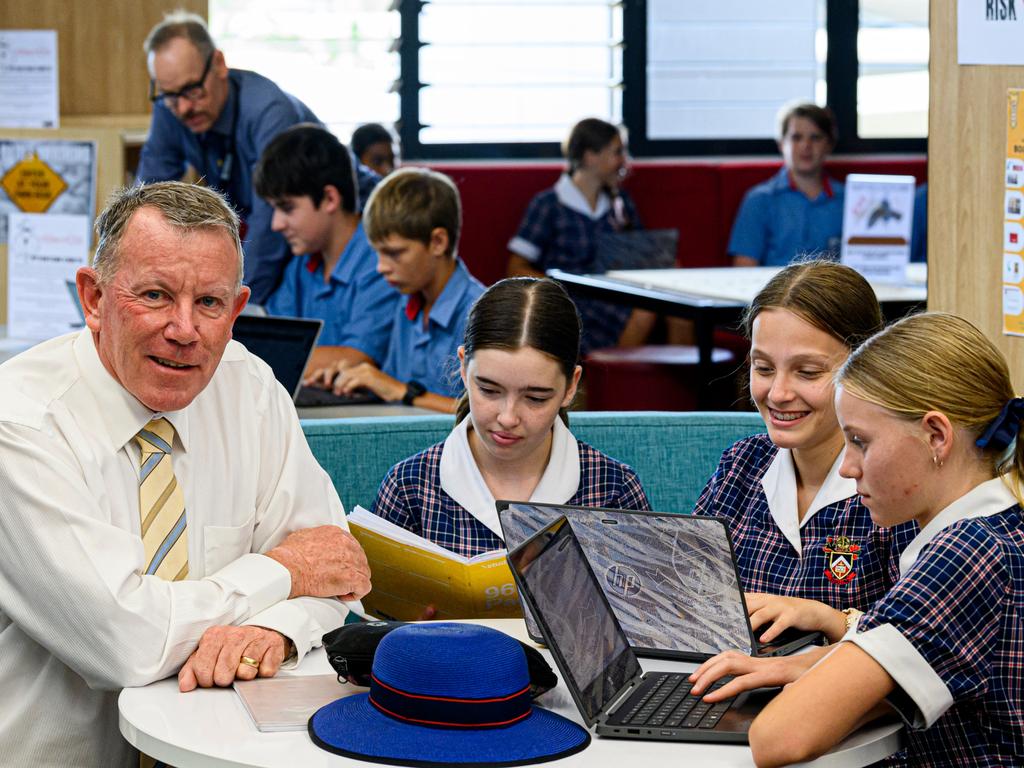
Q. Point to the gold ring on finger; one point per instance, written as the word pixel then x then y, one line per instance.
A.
pixel 250 662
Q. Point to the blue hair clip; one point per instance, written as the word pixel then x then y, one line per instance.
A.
pixel 1004 428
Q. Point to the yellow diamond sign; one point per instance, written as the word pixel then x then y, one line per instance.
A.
pixel 32 185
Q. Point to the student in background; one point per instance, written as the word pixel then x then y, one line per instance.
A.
pixel 374 147
pixel 806 548
pixel 932 427
pixel 413 219
pixel 306 176
pixel 919 230
pixel 561 225
pixel 800 209
pixel 519 364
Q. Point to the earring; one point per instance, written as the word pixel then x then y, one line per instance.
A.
pixel 936 461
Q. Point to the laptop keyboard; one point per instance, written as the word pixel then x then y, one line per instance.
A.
pixel 667 703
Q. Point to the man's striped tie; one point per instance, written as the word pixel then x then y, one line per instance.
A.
pixel 161 504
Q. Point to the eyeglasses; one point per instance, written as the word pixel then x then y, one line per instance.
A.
pixel 192 91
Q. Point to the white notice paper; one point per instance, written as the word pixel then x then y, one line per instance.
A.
pixel 989 31
pixel 44 252
pixel 29 95
pixel 878 214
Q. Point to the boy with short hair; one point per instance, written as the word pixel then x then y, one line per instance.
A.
pixel 413 219
pixel 799 210
pixel 306 175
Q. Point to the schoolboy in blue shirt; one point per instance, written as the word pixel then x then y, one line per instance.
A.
pixel 799 210
pixel 413 219
pixel 306 175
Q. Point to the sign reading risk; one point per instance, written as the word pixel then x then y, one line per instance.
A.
pixel 32 185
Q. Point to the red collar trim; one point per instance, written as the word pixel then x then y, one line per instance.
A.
pixel 826 185
pixel 414 305
pixel 314 261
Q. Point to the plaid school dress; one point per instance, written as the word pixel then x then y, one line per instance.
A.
pixel 769 563
pixel 960 609
pixel 411 496
pixel 559 237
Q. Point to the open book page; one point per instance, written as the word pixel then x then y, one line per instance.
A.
pixel 410 573
pixel 286 702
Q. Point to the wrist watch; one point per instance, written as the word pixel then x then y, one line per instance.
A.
pixel 852 617
pixel 413 389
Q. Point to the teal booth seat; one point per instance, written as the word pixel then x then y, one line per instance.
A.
pixel 674 453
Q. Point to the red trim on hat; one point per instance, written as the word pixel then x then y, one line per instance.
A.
pixel 520 692
pixel 389 713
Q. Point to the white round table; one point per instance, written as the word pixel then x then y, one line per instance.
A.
pixel 210 729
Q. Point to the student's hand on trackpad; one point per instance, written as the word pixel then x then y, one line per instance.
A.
pixel 773 614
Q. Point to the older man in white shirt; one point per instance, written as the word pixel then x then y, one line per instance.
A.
pixel 154 488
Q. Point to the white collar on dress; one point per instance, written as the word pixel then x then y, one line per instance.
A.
pixel 569 195
pixel 989 498
pixel 779 484
pixel 461 478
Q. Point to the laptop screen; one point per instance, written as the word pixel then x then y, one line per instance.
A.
pixel 578 622
pixel 283 343
pixel 671 579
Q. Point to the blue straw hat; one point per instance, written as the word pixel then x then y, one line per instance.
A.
pixel 444 694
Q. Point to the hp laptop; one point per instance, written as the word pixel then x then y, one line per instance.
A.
pixel 285 344
pixel 671 579
pixel 636 249
pixel 599 668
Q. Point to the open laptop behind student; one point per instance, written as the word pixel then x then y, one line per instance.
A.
pixel 671 579
pixel 599 668
pixel 285 344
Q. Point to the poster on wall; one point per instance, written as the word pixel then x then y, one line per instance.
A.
pixel 29 96
pixel 878 214
pixel 1013 218
pixel 46 176
pixel 989 32
pixel 44 253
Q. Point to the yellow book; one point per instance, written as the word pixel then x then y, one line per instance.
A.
pixel 410 573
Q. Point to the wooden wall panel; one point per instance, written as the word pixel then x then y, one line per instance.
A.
pixel 966 163
pixel 102 69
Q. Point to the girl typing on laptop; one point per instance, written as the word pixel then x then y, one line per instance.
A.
pixel 511 439
pixel 807 552
pixel 932 429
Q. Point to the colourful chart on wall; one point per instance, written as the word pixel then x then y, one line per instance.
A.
pixel 1013 217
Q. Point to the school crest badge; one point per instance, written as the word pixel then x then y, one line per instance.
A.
pixel 842 553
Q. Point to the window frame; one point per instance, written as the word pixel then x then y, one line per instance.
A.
pixel 841 74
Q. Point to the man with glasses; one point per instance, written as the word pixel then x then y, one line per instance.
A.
pixel 218 121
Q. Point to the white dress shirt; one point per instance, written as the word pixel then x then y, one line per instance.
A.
pixel 78 621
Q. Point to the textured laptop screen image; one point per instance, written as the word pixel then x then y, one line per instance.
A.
pixel 670 579
pixel 594 650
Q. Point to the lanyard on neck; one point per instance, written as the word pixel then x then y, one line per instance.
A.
pixel 228 163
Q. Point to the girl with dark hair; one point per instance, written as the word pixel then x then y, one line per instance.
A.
pixel 562 226
pixel 519 365
pixel 808 553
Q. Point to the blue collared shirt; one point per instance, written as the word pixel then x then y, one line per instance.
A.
pixel 255 112
pixel 356 304
pixel 428 355
pixel 777 222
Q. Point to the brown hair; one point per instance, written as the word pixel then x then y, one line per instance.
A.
pixel 411 203
pixel 186 207
pixel 938 362
pixel 524 312
pixel 588 135
pixel 822 117
pixel 832 297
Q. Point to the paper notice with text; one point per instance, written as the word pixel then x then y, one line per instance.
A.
pixel 1013 218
